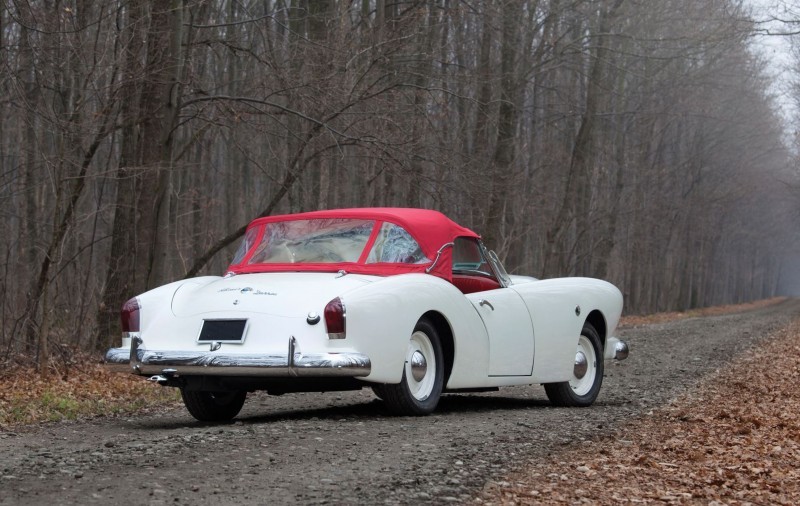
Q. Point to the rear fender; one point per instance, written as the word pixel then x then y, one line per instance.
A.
pixel 381 318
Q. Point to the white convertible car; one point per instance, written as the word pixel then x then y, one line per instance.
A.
pixel 401 300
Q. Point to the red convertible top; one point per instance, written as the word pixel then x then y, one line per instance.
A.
pixel 431 230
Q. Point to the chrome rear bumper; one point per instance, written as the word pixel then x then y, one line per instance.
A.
pixel 195 363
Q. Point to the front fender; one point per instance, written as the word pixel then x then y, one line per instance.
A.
pixel 558 309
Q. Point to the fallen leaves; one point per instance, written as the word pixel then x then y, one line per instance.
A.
pixel 88 390
pixel 636 320
pixel 734 440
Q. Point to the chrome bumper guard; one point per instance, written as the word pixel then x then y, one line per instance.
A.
pixel 616 348
pixel 186 363
pixel 621 350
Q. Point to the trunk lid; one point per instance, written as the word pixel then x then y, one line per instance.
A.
pixel 288 294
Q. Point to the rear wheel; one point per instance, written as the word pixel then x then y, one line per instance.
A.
pixel 213 406
pixel 423 374
pixel 587 373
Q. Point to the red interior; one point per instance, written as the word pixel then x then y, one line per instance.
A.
pixel 471 284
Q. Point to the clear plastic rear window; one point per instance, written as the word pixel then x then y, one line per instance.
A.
pixel 393 244
pixel 244 247
pixel 313 241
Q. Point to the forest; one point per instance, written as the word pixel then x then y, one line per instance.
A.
pixel 636 141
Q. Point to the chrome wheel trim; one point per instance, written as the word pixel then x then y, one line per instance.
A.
pixel 581 365
pixel 419 366
pixel 420 355
pixel 582 385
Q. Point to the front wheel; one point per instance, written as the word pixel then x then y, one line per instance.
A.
pixel 587 373
pixel 213 406
pixel 423 374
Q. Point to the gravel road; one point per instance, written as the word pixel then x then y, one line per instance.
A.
pixel 344 448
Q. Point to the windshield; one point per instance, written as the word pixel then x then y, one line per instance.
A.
pixel 497 265
pixel 471 257
pixel 313 241
pixel 468 258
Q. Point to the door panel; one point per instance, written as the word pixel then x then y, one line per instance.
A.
pixel 508 325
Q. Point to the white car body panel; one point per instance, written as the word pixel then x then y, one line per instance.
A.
pixel 552 304
pixel 276 306
pixel 508 322
pixel 383 317
pixel 531 316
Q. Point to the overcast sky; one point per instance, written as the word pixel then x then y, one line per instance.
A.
pixel 777 51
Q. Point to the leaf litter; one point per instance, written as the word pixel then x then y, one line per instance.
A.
pixel 732 440
pixel 80 390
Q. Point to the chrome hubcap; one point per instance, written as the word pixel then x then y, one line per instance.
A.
pixel 581 365
pixel 419 366
pixel 585 369
pixel 420 359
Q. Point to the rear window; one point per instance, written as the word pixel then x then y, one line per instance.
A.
pixel 313 241
pixel 244 247
pixel 393 244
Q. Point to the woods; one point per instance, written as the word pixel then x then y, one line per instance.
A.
pixel 626 140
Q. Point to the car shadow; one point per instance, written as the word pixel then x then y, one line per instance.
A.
pixel 375 409
pixel 464 403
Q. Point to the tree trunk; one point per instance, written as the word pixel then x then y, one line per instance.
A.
pixel 167 64
pixel 574 208
pixel 505 147
pixel 122 278
pixel 139 242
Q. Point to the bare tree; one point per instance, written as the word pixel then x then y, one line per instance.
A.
pixel 593 138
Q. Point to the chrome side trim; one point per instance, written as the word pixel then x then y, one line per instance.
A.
pixel 194 363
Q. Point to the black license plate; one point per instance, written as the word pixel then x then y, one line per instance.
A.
pixel 227 331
